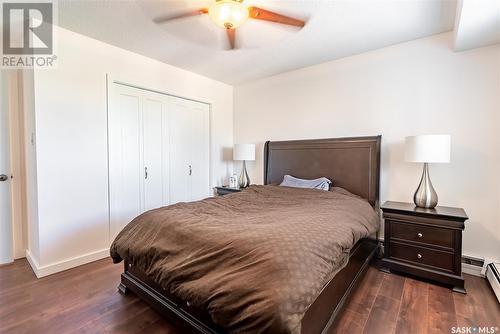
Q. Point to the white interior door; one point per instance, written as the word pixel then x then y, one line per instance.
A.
pixel 6 242
pixel 153 151
pixel 180 150
pixel 189 145
pixel 199 130
pixel 126 172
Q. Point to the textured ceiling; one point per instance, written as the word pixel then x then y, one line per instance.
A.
pixel 334 29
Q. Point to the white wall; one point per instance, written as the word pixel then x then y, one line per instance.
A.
pixel 419 87
pixel 71 141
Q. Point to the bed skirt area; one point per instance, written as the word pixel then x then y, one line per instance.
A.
pixel 317 319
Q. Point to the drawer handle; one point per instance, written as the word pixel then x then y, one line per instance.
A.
pixel 419 255
pixel 420 235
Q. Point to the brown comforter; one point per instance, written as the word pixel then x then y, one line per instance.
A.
pixel 255 260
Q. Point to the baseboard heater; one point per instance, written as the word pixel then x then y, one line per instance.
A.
pixel 493 276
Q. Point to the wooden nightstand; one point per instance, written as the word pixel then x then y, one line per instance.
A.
pixel 221 191
pixel 424 242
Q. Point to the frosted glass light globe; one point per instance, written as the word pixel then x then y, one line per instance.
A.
pixel 228 14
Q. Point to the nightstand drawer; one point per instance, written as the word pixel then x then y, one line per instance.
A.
pixel 422 255
pixel 420 233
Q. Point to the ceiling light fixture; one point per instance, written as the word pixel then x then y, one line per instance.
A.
pixel 229 14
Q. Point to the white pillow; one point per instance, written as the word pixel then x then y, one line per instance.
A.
pixel 322 183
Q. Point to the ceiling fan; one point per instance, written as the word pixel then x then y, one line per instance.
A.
pixel 231 14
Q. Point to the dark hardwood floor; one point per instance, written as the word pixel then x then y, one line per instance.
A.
pixel 383 303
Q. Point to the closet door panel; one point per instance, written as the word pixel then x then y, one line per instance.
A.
pixel 153 152
pixel 180 152
pixel 165 121
pixel 200 178
pixel 131 182
pixel 125 161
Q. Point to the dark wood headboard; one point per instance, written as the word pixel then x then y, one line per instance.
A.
pixel 351 163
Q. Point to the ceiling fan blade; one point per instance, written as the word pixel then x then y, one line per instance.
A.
pixel 164 19
pixel 266 15
pixel 231 36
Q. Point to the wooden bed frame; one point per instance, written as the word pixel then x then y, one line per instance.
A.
pixel 353 164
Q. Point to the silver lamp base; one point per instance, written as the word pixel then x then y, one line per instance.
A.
pixel 425 195
pixel 244 180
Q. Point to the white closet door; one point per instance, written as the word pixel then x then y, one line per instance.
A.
pixel 153 151
pixel 125 162
pixel 200 178
pixel 189 147
pixel 180 150
pixel 158 152
pixel 6 255
pixel 165 121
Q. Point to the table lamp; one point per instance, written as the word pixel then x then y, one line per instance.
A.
pixel 244 152
pixel 427 149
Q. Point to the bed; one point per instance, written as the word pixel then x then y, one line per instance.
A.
pixel 204 291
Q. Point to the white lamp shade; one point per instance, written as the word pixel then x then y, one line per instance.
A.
pixel 244 152
pixel 428 148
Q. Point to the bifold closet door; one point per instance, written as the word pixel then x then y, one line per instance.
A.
pixel 200 146
pixel 138 153
pixel 180 150
pixel 189 150
pixel 125 156
pixel 155 153
pixel 158 152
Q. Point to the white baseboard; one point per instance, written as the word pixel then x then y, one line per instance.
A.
pixel 33 263
pixel 42 271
